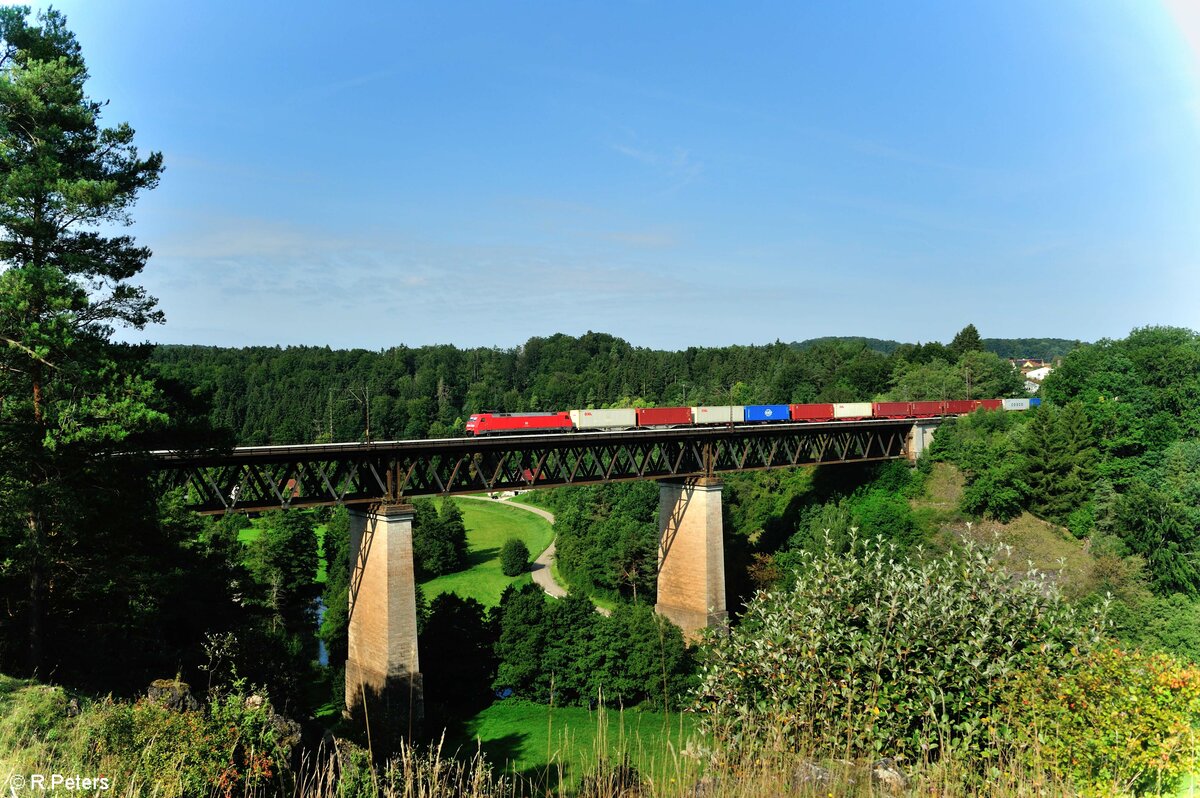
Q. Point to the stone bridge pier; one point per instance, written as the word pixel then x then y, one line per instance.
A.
pixel 919 438
pixel 691 555
pixel 383 672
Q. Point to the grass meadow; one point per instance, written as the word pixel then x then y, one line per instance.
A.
pixel 551 746
pixel 489 524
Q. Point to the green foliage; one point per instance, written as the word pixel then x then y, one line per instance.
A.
pixel 1141 394
pixel 1041 348
pixel 439 538
pixel 232 747
pixel 972 375
pixel 966 340
pixel 70 394
pixel 1060 455
pixel 868 652
pixel 522 638
pixel 566 652
pixel 1153 522
pixel 607 538
pixel 937 380
pixel 457 656
pixel 1153 623
pixel 985 447
pixel 514 557
pixel 490 524
pixel 336 597
pixel 272 394
pixel 284 560
pixel 1118 723
pixel 886 515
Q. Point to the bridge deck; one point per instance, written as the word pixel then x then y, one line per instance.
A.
pixel 256 478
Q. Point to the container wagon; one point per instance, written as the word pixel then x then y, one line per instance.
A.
pixel 623 418
pixel 664 416
pixel 767 413
pixel 811 412
pixel 892 409
pixel 719 414
pixel 847 410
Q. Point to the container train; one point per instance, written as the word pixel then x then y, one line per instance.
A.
pixel 726 415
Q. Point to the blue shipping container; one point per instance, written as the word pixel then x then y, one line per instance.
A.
pixel 1035 402
pixel 767 413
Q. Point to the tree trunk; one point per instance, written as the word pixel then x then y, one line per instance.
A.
pixel 37 539
pixel 37 593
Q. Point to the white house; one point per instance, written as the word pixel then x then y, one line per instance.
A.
pixel 1037 375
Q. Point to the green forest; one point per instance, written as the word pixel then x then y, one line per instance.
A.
pixel 1014 615
pixel 265 395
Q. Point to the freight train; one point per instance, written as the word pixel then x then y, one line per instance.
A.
pixel 726 415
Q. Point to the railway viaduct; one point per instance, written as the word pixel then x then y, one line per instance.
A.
pixel 375 480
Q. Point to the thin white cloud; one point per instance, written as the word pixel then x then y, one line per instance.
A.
pixel 676 165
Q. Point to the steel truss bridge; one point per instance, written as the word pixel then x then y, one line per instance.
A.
pixel 259 478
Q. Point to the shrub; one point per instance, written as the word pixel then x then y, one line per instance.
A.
pixel 1121 722
pixel 232 747
pixel 514 557
pixel 867 653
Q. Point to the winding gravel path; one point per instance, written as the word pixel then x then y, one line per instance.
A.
pixel 543 577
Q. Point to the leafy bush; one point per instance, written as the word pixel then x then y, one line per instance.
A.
pixel 514 557
pixel 232 747
pixel 1122 722
pixel 882 513
pixel 867 653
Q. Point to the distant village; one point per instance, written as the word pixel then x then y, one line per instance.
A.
pixel 1034 370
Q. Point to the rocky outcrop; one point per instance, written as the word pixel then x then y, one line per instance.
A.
pixel 172 694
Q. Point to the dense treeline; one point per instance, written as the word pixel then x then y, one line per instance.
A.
pixel 606 538
pixel 566 652
pixel 304 394
pixel 1115 457
pixel 1040 348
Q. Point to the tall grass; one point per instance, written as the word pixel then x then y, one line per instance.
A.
pixel 40 733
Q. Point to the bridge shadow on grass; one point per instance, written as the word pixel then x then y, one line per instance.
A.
pixel 480 556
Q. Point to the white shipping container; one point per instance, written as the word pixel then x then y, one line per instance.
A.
pixel 623 418
pixel 1016 404
pixel 719 415
pixel 852 410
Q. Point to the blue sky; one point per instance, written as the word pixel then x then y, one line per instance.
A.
pixel 676 174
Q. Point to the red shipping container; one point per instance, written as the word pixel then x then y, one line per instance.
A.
pixel 811 412
pixel 892 409
pixel 928 409
pixel 663 416
pixel 992 404
pixel 960 407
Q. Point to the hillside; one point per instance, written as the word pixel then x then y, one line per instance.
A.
pixel 1042 348
pixel 1031 542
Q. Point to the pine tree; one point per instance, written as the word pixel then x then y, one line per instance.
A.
pixel 967 340
pixel 69 394
pixel 1061 457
